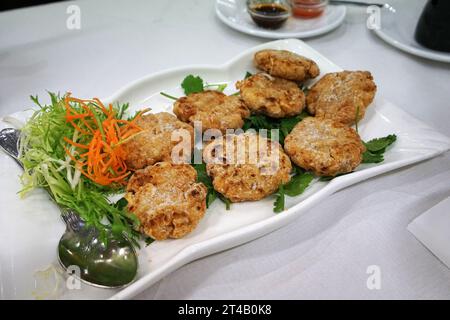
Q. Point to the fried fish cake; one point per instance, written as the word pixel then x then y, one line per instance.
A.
pixel 166 199
pixel 274 97
pixel 155 142
pixel 213 109
pixel 324 146
pixel 246 167
pixel 339 95
pixel 287 65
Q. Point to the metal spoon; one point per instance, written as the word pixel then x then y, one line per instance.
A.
pixel 356 3
pixel 109 265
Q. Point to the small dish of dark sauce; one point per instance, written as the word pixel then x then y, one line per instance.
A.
pixel 269 15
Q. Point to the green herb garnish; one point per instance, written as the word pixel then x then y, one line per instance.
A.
pixel 220 86
pixel 212 194
pixel 295 187
pixel 305 89
pixel 380 144
pixel 192 84
pixel 278 205
pixel 226 201
pixel 298 184
pixel 168 96
pixel 148 241
pixel 258 122
pixel 121 203
pixel 329 178
pixel 284 125
pixel 376 148
pixel 195 84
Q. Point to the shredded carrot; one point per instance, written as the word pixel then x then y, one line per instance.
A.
pixel 78 145
pixel 98 152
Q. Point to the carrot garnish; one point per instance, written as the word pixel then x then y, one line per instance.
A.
pixel 98 151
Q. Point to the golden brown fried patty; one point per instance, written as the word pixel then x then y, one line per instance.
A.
pixel 155 143
pixel 166 199
pixel 242 171
pixel 275 97
pixel 213 109
pixel 287 65
pixel 339 95
pixel 324 146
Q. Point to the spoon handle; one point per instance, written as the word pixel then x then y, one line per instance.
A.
pixel 9 142
pixel 110 262
pixel 71 218
pixel 357 3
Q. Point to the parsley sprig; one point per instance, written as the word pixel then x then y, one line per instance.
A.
pixel 295 187
pixel 376 148
pixel 194 84
pixel 202 176
pixel 284 125
pixel 278 205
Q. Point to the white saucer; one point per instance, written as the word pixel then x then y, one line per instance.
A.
pixel 398 27
pixel 234 14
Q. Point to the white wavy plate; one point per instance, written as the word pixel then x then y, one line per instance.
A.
pixel 30 228
pixel 234 14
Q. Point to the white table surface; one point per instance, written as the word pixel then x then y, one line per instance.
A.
pixel 324 254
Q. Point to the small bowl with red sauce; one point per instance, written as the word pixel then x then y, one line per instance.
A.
pixel 308 9
pixel 269 14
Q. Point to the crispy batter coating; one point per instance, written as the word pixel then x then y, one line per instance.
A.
pixel 287 65
pixel 213 108
pixel 246 166
pixel 324 146
pixel 155 143
pixel 339 95
pixel 275 97
pixel 166 199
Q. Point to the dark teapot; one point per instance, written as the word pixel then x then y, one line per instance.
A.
pixel 433 28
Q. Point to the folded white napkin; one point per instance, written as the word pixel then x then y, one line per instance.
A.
pixel 432 228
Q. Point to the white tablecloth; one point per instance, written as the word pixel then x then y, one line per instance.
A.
pixel 324 254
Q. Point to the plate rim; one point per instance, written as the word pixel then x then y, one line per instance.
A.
pixel 277 35
pixel 418 52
